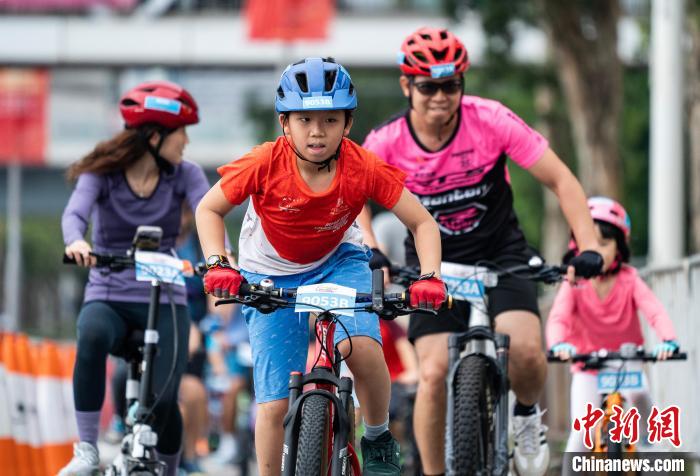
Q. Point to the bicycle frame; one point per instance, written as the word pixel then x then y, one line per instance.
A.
pixel 326 381
pixel 138 445
pixel 481 339
pixel 600 441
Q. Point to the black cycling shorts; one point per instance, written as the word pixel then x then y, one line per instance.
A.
pixel 511 294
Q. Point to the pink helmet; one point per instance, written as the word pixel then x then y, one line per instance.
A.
pixel 159 102
pixel 609 211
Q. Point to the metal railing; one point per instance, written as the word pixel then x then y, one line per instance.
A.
pixel 678 288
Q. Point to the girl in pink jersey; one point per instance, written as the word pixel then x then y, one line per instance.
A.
pixel 601 313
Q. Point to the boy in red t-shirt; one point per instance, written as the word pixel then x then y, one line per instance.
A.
pixel 306 190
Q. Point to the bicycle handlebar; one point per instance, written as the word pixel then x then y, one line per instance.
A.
pixel 120 262
pixel 598 358
pixel 111 261
pixel 266 298
pixel 533 270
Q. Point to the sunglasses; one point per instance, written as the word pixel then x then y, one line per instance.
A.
pixel 430 88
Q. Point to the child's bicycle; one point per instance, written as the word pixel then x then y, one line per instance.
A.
pixel 476 433
pixel 616 372
pixel 320 423
pixel 138 455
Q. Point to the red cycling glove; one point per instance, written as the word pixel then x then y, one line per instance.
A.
pixel 222 282
pixel 428 292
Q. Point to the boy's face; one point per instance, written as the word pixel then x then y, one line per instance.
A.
pixel 316 134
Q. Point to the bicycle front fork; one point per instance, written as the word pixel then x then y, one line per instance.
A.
pixel 481 341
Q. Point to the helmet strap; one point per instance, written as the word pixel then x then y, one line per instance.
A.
pixel 162 164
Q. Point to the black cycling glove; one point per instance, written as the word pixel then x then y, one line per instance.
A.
pixel 588 263
pixel 378 260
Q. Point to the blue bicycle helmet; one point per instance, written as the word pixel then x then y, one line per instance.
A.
pixel 315 84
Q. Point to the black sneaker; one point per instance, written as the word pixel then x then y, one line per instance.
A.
pixel 381 457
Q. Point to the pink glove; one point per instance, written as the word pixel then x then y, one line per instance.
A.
pixel 222 282
pixel 428 292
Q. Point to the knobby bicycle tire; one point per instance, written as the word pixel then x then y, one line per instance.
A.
pixel 351 433
pixel 614 451
pixel 473 430
pixel 312 449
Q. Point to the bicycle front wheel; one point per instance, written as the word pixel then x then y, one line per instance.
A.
pixel 473 429
pixel 312 450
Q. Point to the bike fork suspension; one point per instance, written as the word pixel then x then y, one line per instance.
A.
pixel 501 430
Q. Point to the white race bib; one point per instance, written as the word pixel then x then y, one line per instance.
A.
pixel 318 297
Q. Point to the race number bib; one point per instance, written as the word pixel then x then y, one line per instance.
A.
pixel 629 379
pixel 163 267
pixel 323 296
pixel 466 282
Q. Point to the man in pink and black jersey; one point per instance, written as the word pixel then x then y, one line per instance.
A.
pixel 454 149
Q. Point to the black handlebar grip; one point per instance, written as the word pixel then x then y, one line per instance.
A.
pixel 68 260
pixel 245 289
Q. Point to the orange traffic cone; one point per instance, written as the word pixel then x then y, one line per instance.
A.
pixel 7 443
pixel 55 438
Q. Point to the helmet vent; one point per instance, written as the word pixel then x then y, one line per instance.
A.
pixel 280 92
pixel 439 54
pixel 420 56
pixel 302 82
pixel 411 41
pixel 351 89
pixel 443 34
pixel 330 79
pixel 458 53
pixel 148 90
pixel 129 102
pixel 425 36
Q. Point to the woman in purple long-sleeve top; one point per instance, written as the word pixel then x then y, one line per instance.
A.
pixel 136 178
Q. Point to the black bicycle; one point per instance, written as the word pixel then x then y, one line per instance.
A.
pixel 476 433
pixel 138 456
pixel 320 423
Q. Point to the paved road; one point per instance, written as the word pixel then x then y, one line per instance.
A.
pixel 109 451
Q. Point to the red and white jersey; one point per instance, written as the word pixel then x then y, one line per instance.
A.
pixel 290 229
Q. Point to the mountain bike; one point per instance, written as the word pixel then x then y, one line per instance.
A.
pixel 320 421
pixel 138 455
pixel 476 432
pixel 616 372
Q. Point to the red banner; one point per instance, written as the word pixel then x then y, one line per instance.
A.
pixel 289 19
pixel 24 96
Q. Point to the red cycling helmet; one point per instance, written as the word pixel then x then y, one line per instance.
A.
pixel 434 52
pixel 158 102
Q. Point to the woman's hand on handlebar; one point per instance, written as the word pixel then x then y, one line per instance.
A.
pixel 80 251
pixel 223 282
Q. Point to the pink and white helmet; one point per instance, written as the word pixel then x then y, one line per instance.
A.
pixel 609 211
